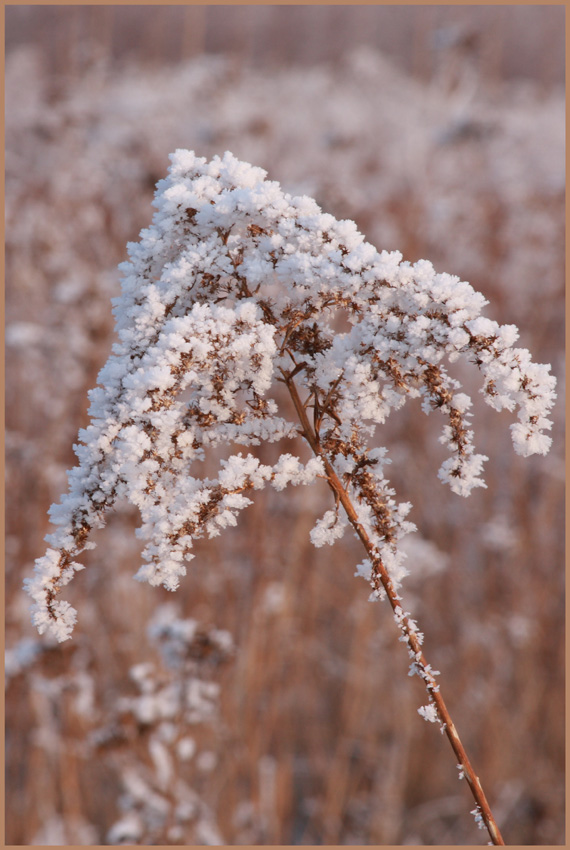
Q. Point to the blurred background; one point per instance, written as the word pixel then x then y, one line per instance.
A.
pixel 440 131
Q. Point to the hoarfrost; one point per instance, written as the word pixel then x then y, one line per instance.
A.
pixel 235 286
pixel 429 713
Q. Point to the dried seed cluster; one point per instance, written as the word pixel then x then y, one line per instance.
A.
pixel 237 285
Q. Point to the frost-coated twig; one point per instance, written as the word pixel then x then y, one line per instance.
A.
pixel 237 285
pixel 411 636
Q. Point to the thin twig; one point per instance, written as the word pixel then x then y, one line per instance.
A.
pixel 381 579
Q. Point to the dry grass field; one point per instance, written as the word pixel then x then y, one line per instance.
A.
pixel 441 133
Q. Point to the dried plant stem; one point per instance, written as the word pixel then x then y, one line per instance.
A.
pixel 381 579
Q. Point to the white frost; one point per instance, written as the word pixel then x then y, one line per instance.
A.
pixel 234 284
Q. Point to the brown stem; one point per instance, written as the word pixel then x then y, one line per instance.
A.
pixel 381 579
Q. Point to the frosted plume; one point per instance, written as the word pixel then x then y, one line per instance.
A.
pixel 237 285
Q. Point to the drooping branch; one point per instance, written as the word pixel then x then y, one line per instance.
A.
pixel 232 281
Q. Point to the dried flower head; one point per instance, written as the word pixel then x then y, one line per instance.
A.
pixel 237 285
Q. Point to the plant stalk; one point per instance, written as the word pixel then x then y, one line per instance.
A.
pixel 381 579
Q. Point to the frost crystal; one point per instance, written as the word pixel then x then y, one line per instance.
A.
pixel 237 285
pixel 429 712
pixel 477 814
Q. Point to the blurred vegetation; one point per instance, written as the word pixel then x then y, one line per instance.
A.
pixel 439 130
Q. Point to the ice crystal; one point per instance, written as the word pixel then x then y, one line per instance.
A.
pixel 429 713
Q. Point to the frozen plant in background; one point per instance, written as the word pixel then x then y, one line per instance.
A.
pixel 174 701
pixel 237 287
pixel 157 742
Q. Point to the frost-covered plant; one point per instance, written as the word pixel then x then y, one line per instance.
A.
pixel 234 287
